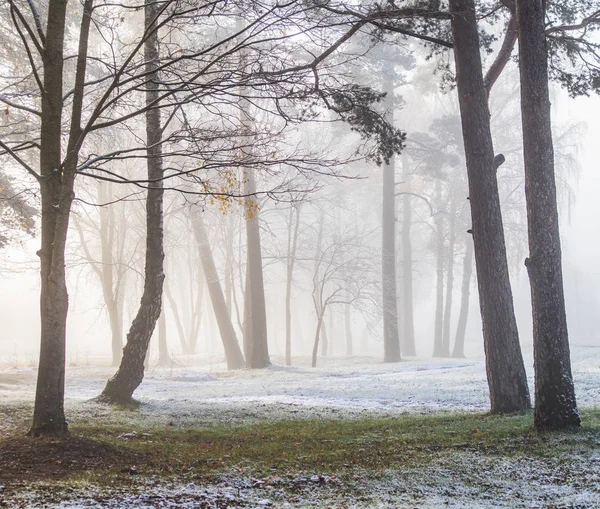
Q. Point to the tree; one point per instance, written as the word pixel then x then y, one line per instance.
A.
pixel 120 388
pixel 555 404
pixel 233 353
pixel 504 363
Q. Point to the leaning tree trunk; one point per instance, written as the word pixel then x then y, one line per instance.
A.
pixel 504 363
pixel 449 280
pixel 56 186
pixel 120 388
pixel 254 303
pixel 391 338
pixel 408 340
pixel 233 353
pixel 463 314
pixel 438 347
pixel 555 405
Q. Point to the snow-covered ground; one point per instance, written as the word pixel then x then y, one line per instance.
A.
pixel 195 391
pixel 204 391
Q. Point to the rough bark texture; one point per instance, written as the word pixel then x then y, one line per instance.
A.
pixel 391 338
pixel 291 262
pixel 233 352
pixel 408 321
pixel 57 186
pixel 504 363
pixel 120 388
pixel 258 348
pixel 463 314
pixel 555 405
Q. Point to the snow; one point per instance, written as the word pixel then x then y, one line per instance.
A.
pixel 202 392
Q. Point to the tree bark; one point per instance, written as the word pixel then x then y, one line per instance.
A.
pixel 56 186
pixel 555 404
pixel 120 388
pixel 504 363
pixel 233 353
pixel 391 338
pixel 463 314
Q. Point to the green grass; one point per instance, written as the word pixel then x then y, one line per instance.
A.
pixel 334 445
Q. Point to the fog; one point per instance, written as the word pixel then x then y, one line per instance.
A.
pixel 89 331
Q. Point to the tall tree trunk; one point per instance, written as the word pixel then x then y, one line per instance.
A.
pixel 408 339
pixel 56 185
pixel 459 340
pixel 391 339
pixel 449 279
pixel 555 404
pixel 233 353
pixel 291 261
pixel 255 290
pixel 504 363
pixel 164 359
pixel 120 388
pixel 438 346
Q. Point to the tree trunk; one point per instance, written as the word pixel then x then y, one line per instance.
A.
pixel 258 348
pixel 459 340
pixel 120 388
pixel 449 280
pixel 504 363
pixel 408 340
pixel 291 261
pixel 233 353
pixel 56 186
pixel 164 359
pixel 391 339
pixel 438 346
pixel 555 404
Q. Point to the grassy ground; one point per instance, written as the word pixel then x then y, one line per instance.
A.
pixel 374 461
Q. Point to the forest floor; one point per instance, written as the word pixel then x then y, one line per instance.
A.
pixel 351 433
